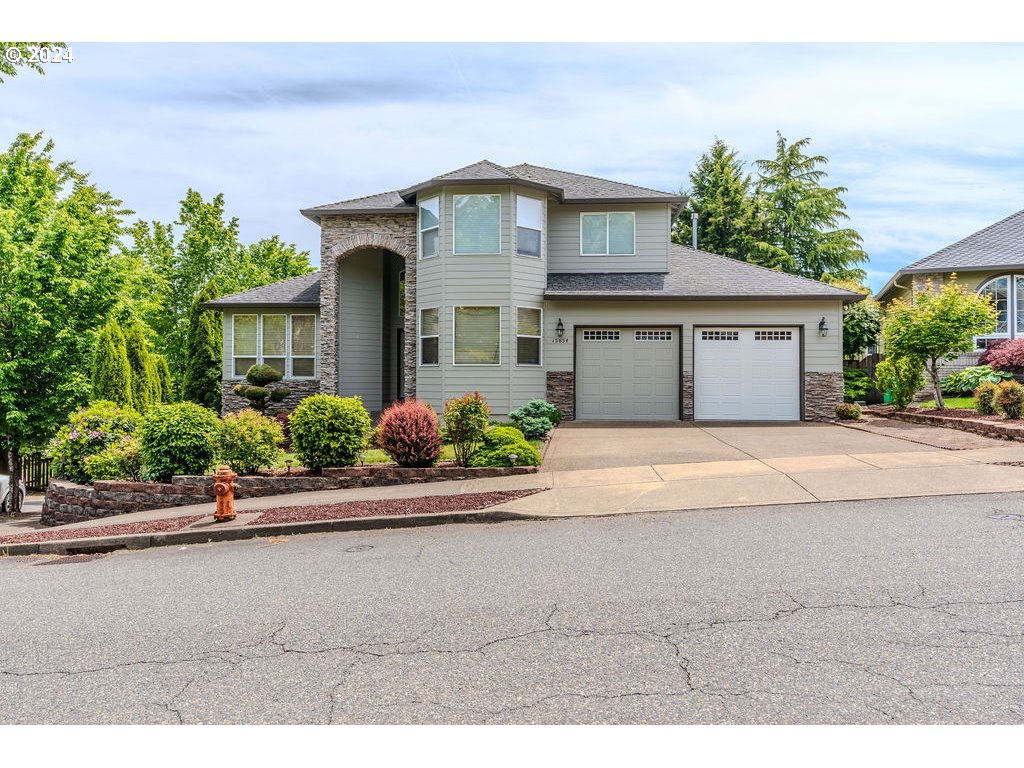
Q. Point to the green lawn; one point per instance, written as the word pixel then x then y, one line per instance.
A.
pixel 953 402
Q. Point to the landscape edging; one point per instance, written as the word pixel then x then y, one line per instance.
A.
pixel 965 424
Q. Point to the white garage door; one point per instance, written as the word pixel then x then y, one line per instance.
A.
pixel 749 374
pixel 627 373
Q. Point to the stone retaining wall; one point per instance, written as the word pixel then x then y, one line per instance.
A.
pixel 997 429
pixel 299 389
pixel 71 503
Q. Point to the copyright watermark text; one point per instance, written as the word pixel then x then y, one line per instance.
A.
pixel 38 55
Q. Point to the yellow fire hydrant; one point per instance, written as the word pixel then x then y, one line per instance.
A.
pixel 224 490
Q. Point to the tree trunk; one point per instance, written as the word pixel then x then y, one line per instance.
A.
pixel 933 371
pixel 15 507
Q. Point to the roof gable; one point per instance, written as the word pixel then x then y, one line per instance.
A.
pixel 302 291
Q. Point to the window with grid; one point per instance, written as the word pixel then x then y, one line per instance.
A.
pixel 601 335
pixel 287 343
pixel 773 335
pixel 429 226
pixel 719 335
pixel 652 335
pixel 528 333
pixel 429 336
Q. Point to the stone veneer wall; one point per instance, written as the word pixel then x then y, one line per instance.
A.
pixel 339 236
pixel 300 388
pixel 561 392
pixel 686 394
pixel 822 393
pixel 70 503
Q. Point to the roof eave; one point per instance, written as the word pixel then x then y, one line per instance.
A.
pixel 612 296
pixel 410 194
pixel 314 214
pixel 675 200
pixel 248 304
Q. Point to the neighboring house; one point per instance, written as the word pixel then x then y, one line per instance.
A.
pixel 990 262
pixel 526 282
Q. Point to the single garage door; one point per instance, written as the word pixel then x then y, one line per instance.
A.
pixel 746 374
pixel 627 373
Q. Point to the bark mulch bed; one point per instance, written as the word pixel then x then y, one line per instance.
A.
pixel 120 529
pixel 421 505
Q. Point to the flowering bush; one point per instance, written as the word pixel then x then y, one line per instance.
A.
pixel 465 420
pixel 248 440
pixel 119 461
pixel 1004 356
pixel 89 431
pixel 408 433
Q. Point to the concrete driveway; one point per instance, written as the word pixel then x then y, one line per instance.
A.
pixel 605 445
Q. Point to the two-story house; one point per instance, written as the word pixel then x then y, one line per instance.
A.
pixel 525 282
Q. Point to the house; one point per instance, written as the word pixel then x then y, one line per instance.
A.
pixel 525 282
pixel 990 262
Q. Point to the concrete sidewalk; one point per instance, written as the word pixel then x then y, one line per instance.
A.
pixel 612 491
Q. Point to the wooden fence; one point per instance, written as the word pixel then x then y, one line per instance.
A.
pixel 35 471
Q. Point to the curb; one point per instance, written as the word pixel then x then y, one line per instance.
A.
pixel 99 545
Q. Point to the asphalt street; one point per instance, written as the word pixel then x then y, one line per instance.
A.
pixel 907 611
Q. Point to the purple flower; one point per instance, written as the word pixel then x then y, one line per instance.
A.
pixel 94 434
pixel 73 435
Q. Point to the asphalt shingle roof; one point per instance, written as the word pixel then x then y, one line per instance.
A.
pixel 997 245
pixel 569 187
pixel 694 274
pixel 303 291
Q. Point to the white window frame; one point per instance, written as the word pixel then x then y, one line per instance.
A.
pixel 540 337
pixel 288 357
pixel 606 214
pixel 421 231
pixel 421 337
pixel 476 365
pixel 543 221
pixel 455 216
pixel 1011 308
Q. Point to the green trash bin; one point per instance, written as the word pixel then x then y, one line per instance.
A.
pixel 887 397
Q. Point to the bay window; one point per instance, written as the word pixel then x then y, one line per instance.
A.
pixel 477 335
pixel 528 333
pixel 477 224
pixel 429 226
pixel 529 225
pixel 429 335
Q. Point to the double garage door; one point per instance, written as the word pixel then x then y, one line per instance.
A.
pixel 739 373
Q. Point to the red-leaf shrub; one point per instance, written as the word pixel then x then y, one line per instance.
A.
pixel 1004 356
pixel 408 433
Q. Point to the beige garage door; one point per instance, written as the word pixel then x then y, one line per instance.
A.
pixel 627 373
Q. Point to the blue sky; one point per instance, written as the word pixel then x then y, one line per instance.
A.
pixel 926 137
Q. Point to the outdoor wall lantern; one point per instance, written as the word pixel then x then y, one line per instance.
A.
pixel 822 327
pixel 559 329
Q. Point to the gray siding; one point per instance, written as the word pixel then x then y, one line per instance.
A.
pixel 359 327
pixel 652 238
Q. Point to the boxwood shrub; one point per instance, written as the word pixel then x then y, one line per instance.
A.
pixel 178 439
pixel 498 446
pixel 329 431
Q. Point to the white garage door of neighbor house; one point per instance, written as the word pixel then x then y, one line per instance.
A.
pixel 627 373
pixel 746 374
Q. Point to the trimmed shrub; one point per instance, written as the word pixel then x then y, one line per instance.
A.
pixel 969 379
pixel 857 384
pixel 901 377
pixel 111 374
pixel 537 409
pixel 848 411
pixel 534 427
pixel 178 439
pixel 329 431
pixel 118 461
pixel 256 391
pixel 89 431
pixel 465 421
pixel 408 433
pixel 1004 356
pixel 986 394
pixel 248 440
pixel 499 444
pixel 1011 399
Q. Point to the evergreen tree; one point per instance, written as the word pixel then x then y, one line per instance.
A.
pixel 203 352
pixel 111 374
pixel 143 372
pixel 802 217
pixel 721 195
pixel 163 376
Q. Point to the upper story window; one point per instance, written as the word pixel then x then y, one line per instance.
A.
pixel 477 224
pixel 608 234
pixel 1007 293
pixel 529 225
pixel 287 343
pixel 429 226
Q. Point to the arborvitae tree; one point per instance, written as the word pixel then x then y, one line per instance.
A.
pixel 143 371
pixel 111 373
pixel 203 352
pixel 163 376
